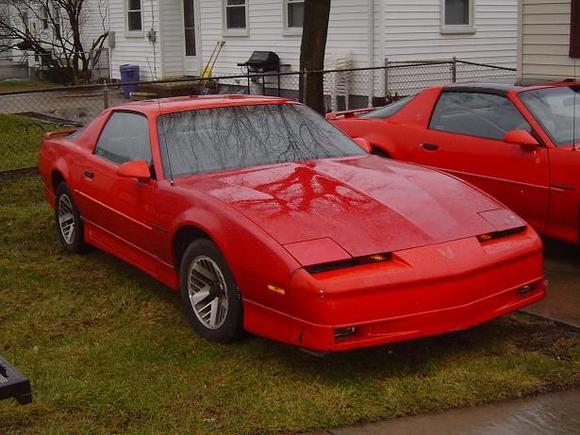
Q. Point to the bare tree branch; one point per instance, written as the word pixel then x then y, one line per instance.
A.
pixel 53 29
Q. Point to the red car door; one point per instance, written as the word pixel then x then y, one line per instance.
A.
pixel 465 137
pixel 121 209
pixel 556 112
pixel 564 216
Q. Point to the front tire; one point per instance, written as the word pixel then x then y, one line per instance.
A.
pixel 69 224
pixel 209 293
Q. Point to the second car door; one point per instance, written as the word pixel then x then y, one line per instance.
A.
pixel 121 207
pixel 465 138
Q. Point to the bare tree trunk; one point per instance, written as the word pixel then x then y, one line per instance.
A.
pixel 315 31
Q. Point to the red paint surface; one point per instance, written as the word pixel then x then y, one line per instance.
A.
pixel 271 221
pixel 541 184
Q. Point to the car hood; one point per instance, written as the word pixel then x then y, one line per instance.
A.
pixel 366 205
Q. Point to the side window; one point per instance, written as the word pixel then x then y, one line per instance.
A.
pixel 124 138
pixel 477 114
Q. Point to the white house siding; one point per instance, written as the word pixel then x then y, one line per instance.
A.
pixel 135 48
pixel 412 31
pixel 544 44
pixel 95 22
pixel 171 38
pixel 348 30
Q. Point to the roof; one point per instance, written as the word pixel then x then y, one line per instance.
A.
pixel 196 102
pixel 504 88
pixel 491 88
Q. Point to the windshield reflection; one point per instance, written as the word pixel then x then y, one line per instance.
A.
pixel 224 138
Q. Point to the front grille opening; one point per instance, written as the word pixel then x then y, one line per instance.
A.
pixel 343 264
pixel 342 333
pixel 499 234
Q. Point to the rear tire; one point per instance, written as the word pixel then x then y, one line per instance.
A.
pixel 209 293
pixel 69 223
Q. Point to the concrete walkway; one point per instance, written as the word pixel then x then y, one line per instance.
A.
pixel 562 303
pixel 557 413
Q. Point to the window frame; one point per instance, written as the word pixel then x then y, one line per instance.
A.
pixel 235 31
pixel 111 114
pixel 195 28
pixel 133 32
pixel 574 29
pixel 290 31
pixel 468 28
pixel 497 94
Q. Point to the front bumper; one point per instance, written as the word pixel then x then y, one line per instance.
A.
pixel 422 292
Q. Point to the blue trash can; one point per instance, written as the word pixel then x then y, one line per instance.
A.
pixel 129 73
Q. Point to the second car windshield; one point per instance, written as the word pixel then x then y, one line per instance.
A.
pixel 557 110
pixel 219 139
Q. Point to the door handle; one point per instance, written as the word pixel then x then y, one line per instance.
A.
pixel 429 146
pixel 89 174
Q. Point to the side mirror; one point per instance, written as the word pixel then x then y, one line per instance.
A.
pixel 135 169
pixel 521 138
pixel 363 143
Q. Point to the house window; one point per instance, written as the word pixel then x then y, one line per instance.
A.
pixel 56 19
pixel 189 27
pixel 44 13
pixel 134 21
pixel 236 14
pixel 294 13
pixel 24 16
pixel 575 29
pixel 457 16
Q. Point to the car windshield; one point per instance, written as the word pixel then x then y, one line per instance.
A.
pixel 223 138
pixel 558 112
pixel 388 110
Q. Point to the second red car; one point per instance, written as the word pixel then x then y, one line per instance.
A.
pixel 520 144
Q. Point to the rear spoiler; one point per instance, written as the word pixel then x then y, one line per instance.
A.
pixel 59 133
pixel 348 113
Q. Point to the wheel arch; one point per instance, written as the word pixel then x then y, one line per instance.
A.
pixel 183 237
pixel 59 173
pixel 56 177
pixel 381 152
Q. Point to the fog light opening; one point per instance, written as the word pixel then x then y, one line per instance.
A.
pixel 341 333
pixel 525 289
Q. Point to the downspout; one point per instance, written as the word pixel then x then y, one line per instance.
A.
pixel 371 14
pixel 110 50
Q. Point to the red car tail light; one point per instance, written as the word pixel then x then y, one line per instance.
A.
pixel 342 264
pixel 499 234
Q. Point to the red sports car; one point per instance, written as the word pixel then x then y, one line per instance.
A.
pixel 520 144
pixel 269 219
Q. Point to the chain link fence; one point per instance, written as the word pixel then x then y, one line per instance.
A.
pixel 26 115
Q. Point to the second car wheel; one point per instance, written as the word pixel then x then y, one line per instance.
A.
pixel 209 293
pixel 68 221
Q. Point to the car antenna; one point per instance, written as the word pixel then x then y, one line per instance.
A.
pixel 171 181
pixel 576 91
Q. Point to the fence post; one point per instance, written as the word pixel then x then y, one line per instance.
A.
pixel 249 84
pixel 454 70
pixel 371 88
pixel 386 76
pixel 105 96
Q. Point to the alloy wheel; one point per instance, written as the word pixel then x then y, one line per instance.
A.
pixel 207 291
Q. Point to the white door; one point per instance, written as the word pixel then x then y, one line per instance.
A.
pixel 191 33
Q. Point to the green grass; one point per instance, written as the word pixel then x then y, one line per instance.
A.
pixel 20 141
pixel 108 349
pixel 24 85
